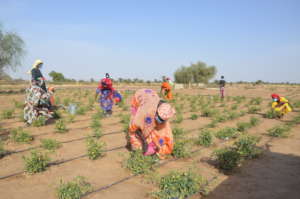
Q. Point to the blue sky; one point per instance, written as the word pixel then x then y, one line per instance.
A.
pixel 245 40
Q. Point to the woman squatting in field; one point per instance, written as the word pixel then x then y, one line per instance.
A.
pixel 280 105
pixel 149 128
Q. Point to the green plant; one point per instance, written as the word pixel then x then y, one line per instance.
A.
pixel 18 105
pixel 209 112
pixel 21 136
pixel 254 121
pixel 179 118
pixel 125 118
pixel 40 121
pixel 256 101
pixel 57 114
pixel 227 133
pixel 234 107
pixel 37 162
pixel 97 133
pixel 243 126
pixel 7 114
pixel 60 126
pixel 279 131
pixel 232 115
pixel 246 146
pixel 70 118
pixel 205 138
pixel 81 110
pixel 194 117
pixel 212 124
pixel 253 109
pixel 179 185
pixel 221 118
pixel 50 144
pixel 98 115
pixel 178 132
pixel 74 189
pixel 181 149
pixel 242 113
pixel 95 124
pixel 94 148
pixel 296 104
pixel 227 158
pixel 138 163
pixel 271 114
pixel 2 150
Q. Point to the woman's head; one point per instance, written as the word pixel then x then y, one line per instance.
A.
pixel 164 112
pixel 275 97
pixel 37 64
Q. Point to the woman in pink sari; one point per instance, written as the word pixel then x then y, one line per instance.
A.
pixel 149 127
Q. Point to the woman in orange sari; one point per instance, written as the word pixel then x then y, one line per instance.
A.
pixel 149 128
pixel 166 89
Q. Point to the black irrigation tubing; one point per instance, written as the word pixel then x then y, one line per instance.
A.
pixel 63 142
pixel 135 175
pixel 60 162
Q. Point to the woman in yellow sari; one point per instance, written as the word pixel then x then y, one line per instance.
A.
pixel 149 128
pixel 280 105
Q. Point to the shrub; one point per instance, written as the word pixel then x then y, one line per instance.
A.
pixel 97 133
pixel 296 104
pixel 94 148
pixel 246 146
pixel 7 114
pixel 137 163
pixel 254 121
pixel 21 136
pixel 232 115
pixel 279 131
pixel 70 118
pixel 98 115
pixel 242 113
pixel 125 118
pixel 212 124
pixel 179 185
pixel 271 114
pixel 18 105
pixel 253 109
pixel 181 149
pixel 178 132
pixel 37 162
pixel 243 126
pixel 60 126
pixel 209 112
pixel 194 117
pixel 227 158
pixel 50 144
pixel 234 107
pixel 74 189
pixel 205 138
pixel 40 121
pixel 95 124
pixel 227 133
pixel 178 119
pixel 221 118
pixel 256 101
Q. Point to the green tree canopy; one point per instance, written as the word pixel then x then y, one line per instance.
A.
pixel 57 77
pixel 195 73
pixel 11 51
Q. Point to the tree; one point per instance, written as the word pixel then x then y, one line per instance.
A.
pixel 11 51
pixel 195 73
pixel 57 77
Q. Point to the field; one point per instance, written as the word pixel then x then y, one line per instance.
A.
pixel 272 171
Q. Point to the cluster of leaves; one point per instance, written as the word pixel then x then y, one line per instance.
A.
pixel 50 144
pixel 18 104
pixel 205 138
pixel 7 114
pixel 271 114
pixel 253 109
pixel 179 118
pixel 256 101
pixel 230 157
pixel 239 99
pixel 40 121
pixel 95 149
pixel 179 185
pixel 21 136
pixel 209 112
pixel 181 149
pixel 194 116
pixel 60 126
pixel 81 110
pixel 178 132
pixel 138 163
pixel 279 131
pixel 37 162
pixel 227 133
pixel 74 189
